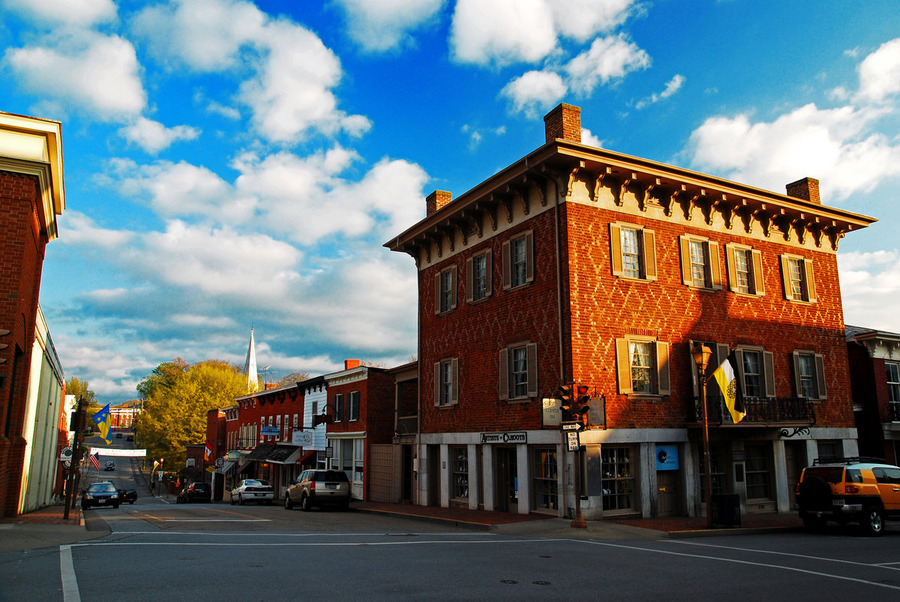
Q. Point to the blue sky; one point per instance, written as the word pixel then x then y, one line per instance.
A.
pixel 232 164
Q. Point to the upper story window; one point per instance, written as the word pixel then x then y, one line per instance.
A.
pixel 478 276
pixel 518 371
pixel 745 274
pixel 756 371
pixel 700 266
pixel 518 260
pixel 353 406
pixel 338 415
pixel 445 290
pixel 643 366
pixel 809 374
pixel 893 381
pixel 633 251
pixel 446 382
pixel 798 279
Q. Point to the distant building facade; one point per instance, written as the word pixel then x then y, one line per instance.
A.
pixel 875 376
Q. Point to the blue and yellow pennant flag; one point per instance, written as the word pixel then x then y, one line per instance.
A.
pixel 103 421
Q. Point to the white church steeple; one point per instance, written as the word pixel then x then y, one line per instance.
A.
pixel 250 366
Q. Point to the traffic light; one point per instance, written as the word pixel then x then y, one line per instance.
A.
pixel 564 395
pixel 582 407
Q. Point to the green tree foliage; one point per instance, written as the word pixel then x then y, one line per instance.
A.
pixel 163 376
pixel 80 388
pixel 177 403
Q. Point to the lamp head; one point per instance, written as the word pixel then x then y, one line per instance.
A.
pixel 701 354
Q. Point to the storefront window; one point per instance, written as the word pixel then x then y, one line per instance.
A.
pixel 460 475
pixel 716 472
pixel 757 466
pixel 546 483
pixel 617 478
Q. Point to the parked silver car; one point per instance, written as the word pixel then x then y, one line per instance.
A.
pixel 252 490
pixel 319 488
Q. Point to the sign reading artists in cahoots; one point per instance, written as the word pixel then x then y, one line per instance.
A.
pixel 514 437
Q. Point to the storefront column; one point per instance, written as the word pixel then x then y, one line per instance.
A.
pixel 423 477
pixel 523 472
pixel 490 479
pixel 445 475
pixel 474 485
pixel 646 463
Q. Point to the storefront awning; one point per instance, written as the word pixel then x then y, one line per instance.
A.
pixel 284 454
pixel 305 457
pixel 226 467
pixel 260 453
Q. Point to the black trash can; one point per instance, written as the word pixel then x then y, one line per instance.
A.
pixel 726 510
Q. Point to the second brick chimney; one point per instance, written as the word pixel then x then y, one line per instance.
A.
pixel 436 200
pixel 806 189
pixel 563 122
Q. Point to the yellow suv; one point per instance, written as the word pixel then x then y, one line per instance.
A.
pixel 860 490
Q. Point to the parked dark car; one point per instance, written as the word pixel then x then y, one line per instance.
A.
pixel 195 492
pixel 127 495
pixel 110 465
pixel 319 488
pixel 101 493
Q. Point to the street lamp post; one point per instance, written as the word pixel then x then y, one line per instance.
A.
pixel 701 354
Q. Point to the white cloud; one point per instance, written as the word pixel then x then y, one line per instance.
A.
pixel 97 73
pixel 870 284
pixel 476 135
pixel 82 13
pixel 834 145
pixel 502 32
pixel 382 25
pixel 672 86
pixel 590 139
pixel 608 58
pixel 534 92
pixel 154 137
pixel 581 19
pixel 76 228
pixel 879 73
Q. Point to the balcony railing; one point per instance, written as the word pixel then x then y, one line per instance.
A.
pixel 761 411
pixel 894 411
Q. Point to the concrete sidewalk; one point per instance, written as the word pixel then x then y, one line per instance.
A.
pixel 44 528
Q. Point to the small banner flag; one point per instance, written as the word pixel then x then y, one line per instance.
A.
pixel 95 462
pixel 208 451
pixel 726 377
pixel 103 420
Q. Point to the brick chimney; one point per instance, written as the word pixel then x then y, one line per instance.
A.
pixel 563 122
pixel 806 189
pixel 351 364
pixel 436 200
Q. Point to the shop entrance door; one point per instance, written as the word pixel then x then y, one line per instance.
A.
pixel 668 493
pixel 507 480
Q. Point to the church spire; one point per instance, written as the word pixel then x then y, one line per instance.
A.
pixel 250 366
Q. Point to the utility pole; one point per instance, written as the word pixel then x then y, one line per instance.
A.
pixel 74 472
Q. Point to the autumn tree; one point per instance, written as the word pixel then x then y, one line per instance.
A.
pixel 293 377
pixel 80 388
pixel 178 399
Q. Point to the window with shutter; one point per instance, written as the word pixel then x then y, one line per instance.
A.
pixel 478 277
pixel 518 372
pixel 744 266
pixel 518 260
pixel 798 278
pixel 643 366
pixel 632 251
pixel 700 263
pixel 446 382
pixel 445 290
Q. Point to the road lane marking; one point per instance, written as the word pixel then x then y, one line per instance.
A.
pixel 67 575
pixel 748 563
pixel 791 554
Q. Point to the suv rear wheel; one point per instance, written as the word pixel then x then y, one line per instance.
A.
pixel 305 504
pixel 873 521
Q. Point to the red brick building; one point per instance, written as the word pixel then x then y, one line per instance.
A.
pixel 582 265
pixel 32 194
pixel 875 376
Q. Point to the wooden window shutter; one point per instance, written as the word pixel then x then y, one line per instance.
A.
pixel 531 357
pixel 470 280
pixel 615 250
pixel 454 374
pixel 529 261
pixel 685 243
pixel 729 266
pixel 739 356
pixel 664 386
pixel 437 383
pixel 820 377
pixel 454 288
pixel 694 382
pixel 437 293
pixel 649 254
pixel 810 281
pixel 488 273
pixel 769 362
pixel 759 284
pixel 715 269
pixel 786 277
pixel 506 267
pixel 795 358
pixel 504 374
pixel 624 366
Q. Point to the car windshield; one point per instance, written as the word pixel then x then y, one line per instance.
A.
pixel 101 487
pixel 331 475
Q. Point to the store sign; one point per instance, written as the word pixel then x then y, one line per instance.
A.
pixel 516 437
pixel 666 457
pixel 302 438
pixel 551 415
